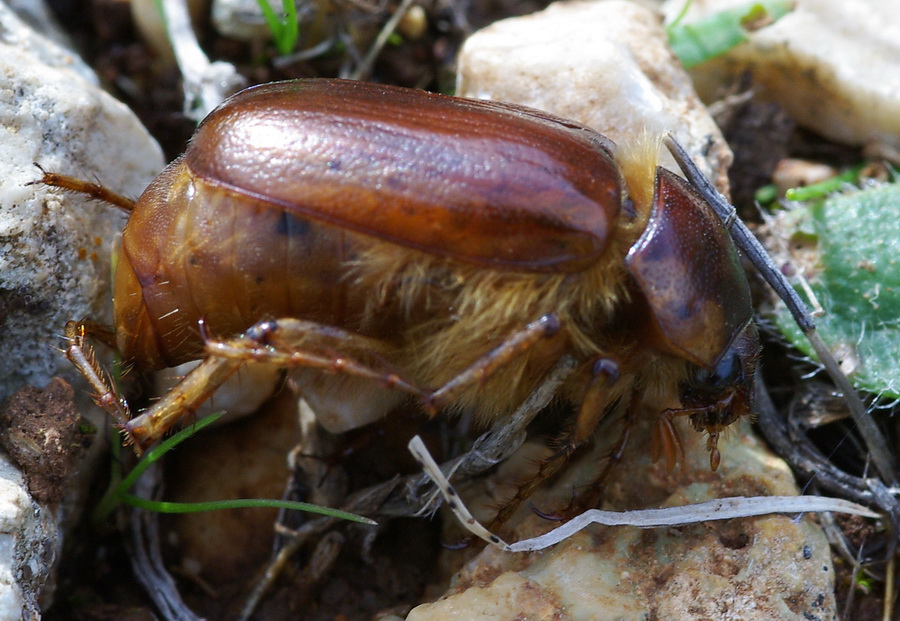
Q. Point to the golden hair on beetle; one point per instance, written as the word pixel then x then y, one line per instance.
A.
pixel 486 304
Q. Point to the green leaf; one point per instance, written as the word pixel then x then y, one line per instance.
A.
pixel 709 37
pixel 855 239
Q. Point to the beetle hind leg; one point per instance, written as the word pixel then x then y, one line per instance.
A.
pixel 297 343
pixel 88 188
pixel 287 342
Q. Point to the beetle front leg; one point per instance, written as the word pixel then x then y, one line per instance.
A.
pixel 665 442
pixel 593 408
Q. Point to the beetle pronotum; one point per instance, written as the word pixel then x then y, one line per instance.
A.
pixel 391 242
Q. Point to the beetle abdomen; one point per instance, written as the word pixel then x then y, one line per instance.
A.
pixel 204 252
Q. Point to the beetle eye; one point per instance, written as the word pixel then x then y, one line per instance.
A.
pixel 727 372
pixel 728 369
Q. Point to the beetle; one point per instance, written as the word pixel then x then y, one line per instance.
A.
pixel 389 242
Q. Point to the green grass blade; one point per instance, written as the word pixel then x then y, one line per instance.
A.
pixel 285 29
pixel 160 506
pixel 817 191
pixel 118 493
pixel 114 494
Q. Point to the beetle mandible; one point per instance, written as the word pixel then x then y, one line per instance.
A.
pixel 390 242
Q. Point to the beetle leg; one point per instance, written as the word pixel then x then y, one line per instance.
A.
pixel 195 388
pixel 710 426
pixel 93 190
pixel 590 497
pixel 591 410
pixel 286 342
pixel 81 355
pixel 297 343
pixel 511 348
pixel 665 442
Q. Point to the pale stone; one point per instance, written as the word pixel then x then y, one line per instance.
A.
pixel 29 546
pixel 832 64
pixel 772 567
pixel 243 19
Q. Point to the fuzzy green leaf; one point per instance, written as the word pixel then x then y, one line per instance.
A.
pixel 856 238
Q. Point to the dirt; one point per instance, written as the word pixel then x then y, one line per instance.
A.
pixel 46 438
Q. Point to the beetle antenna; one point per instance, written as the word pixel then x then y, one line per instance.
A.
pixel 750 246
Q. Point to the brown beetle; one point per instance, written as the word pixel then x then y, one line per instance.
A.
pixel 399 240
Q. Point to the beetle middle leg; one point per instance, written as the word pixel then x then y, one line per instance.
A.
pixel 594 406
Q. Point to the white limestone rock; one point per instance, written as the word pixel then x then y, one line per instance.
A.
pixel 29 544
pixel 832 64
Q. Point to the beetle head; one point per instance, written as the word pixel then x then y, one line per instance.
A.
pixel 714 398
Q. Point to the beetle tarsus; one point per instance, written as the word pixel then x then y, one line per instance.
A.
pixel 81 355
